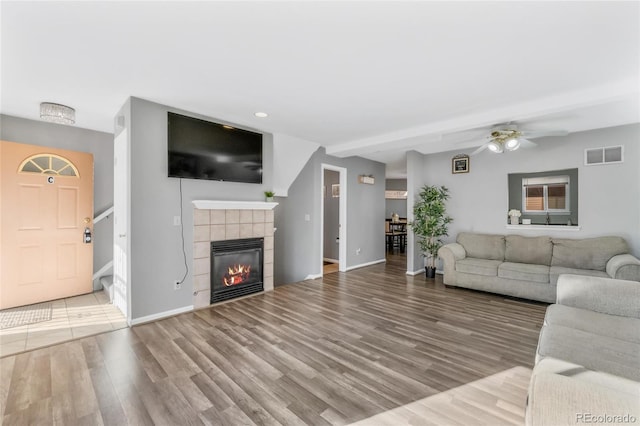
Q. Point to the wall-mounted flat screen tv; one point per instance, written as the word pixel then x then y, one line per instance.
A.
pixel 200 149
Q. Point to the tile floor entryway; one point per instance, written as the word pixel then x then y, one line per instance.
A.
pixel 71 318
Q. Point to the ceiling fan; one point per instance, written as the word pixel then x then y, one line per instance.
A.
pixel 507 137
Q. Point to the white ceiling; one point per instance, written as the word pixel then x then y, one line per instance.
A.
pixel 360 78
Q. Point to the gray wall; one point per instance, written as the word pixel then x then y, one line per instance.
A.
pixel 156 256
pixel 99 144
pixel 416 178
pixel 609 195
pixel 331 216
pixel 297 242
pixel 396 206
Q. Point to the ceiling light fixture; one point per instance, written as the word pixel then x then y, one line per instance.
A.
pixel 495 146
pixel 261 114
pixel 57 113
pixel 512 144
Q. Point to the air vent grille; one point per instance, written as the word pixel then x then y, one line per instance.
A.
pixel 604 155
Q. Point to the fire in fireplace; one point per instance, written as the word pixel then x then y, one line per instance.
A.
pixel 237 274
pixel 236 268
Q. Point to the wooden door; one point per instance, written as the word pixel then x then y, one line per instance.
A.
pixel 46 205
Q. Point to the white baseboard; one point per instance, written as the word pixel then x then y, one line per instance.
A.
pixel 421 271
pixel 160 315
pixel 313 276
pixel 362 265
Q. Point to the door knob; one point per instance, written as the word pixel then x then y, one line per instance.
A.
pixel 122 235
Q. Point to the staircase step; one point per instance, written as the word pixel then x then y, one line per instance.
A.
pixel 107 286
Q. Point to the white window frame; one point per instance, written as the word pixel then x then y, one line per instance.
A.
pixel 545 182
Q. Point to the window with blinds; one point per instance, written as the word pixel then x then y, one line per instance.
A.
pixel 548 194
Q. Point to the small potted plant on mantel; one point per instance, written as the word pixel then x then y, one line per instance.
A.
pixel 269 196
pixel 430 223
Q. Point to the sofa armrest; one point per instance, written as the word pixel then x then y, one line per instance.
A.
pixel 624 267
pixel 450 253
pixel 605 295
pixel 453 251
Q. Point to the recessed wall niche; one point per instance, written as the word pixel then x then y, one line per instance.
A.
pixel 548 197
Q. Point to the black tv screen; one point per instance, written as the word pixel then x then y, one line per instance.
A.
pixel 200 149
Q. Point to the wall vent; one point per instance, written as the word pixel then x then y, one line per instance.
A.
pixel 604 155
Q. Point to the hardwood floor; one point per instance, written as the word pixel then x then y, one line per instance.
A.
pixel 372 346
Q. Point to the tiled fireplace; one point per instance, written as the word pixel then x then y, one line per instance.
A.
pixel 231 222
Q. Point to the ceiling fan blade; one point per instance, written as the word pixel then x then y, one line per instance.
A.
pixel 479 150
pixel 526 143
pixel 542 133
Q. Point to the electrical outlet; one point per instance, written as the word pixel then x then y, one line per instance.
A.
pixel 358 250
pixel 176 221
pixel 177 285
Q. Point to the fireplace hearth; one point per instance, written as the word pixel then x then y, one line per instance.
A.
pixel 236 268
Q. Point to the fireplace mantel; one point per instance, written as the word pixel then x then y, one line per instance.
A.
pixel 233 205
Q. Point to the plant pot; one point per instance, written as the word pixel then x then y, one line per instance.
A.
pixel 515 220
pixel 269 199
pixel 430 271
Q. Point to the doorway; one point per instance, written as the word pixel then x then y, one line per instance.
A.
pixel 333 230
pixel 46 224
pixel 331 220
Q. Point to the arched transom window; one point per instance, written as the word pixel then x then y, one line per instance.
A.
pixel 49 164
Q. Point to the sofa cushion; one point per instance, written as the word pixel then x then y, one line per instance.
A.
pixel 478 266
pixel 536 250
pixel 623 328
pixel 588 377
pixel 593 351
pixel 555 399
pixel 588 253
pixel 482 246
pixel 555 271
pixel 524 272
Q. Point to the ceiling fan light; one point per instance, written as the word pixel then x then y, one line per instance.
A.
pixel 495 147
pixel 512 144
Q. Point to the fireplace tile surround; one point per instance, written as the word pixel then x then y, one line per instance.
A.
pixel 222 220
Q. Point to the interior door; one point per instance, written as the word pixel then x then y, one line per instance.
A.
pixel 45 224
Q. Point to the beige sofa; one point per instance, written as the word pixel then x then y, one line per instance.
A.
pixel 588 358
pixel 529 267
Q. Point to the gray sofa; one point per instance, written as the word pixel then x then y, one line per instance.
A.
pixel 529 267
pixel 588 358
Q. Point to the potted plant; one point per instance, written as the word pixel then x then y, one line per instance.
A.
pixel 269 196
pixel 430 223
pixel 514 215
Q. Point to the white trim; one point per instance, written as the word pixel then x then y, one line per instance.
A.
pixel 419 271
pixel 160 315
pixel 545 227
pixel 233 205
pixel 326 259
pixel 102 270
pixel 312 277
pixel 362 265
pixel 103 215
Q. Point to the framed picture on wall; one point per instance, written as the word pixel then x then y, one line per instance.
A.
pixel 460 164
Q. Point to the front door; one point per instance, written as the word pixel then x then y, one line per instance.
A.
pixel 46 211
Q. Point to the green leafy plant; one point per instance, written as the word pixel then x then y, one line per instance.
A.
pixel 269 194
pixel 431 221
